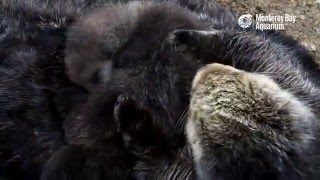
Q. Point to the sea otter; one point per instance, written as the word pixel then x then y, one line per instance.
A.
pixel 241 125
pixel 244 126
pixel 123 66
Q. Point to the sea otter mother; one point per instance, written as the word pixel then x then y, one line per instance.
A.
pixel 134 67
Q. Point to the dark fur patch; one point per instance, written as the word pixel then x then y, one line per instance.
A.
pixel 46 47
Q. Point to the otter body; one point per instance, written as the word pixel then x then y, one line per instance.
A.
pixel 103 88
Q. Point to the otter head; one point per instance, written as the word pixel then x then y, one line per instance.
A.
pixel 244 126
pixel 122 50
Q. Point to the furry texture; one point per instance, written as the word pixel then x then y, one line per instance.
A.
pixel 246 125
pixel 120 108
pixel 286 63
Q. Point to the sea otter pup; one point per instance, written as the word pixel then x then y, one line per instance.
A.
pixel 244 126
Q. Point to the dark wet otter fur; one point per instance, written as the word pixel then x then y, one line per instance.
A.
pixel 113 87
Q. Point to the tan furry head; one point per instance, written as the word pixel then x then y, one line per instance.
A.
pixel 236 115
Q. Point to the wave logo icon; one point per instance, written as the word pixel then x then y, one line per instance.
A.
pixel 245 20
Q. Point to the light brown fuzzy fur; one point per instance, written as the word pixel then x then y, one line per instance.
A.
pixel 244 114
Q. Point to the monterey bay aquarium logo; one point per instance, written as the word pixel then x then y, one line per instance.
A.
pixel 266 22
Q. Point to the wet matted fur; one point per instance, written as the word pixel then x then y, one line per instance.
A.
pixel 244 126
pixel 126 87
